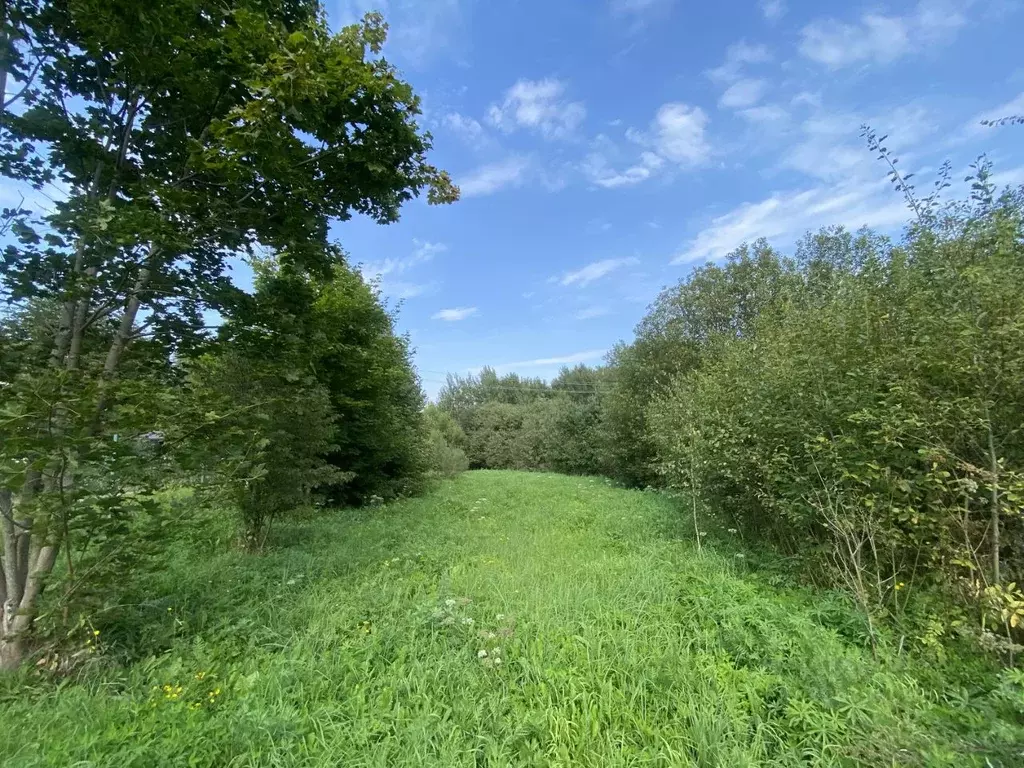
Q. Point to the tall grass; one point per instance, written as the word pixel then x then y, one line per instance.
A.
pixel 505 620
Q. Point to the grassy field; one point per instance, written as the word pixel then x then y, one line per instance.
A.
pixel 506 619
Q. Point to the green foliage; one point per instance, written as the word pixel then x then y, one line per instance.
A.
pixel 505 620
pixel 515 423
pixel 186 133
pixel 367 371
pixel 444 442
pixel 870 421
pixel 267 429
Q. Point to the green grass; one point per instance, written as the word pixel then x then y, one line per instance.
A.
pixel 358 640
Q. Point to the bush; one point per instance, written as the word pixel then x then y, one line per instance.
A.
pixel 443 441
pixel 869 418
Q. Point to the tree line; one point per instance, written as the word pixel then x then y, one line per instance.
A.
pixel 172 138
pixel 856 404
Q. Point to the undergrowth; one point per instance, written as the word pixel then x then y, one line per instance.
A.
pixel 507 619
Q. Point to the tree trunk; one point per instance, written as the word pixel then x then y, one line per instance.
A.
pixel 12 581
pixel 994 468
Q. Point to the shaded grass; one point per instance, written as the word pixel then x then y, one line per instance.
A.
pixel 506 619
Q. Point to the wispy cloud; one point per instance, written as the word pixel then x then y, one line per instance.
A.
pixel 591 312
pixel 880 39
pixel 490 178
pixel 743 93
pixel 784 216
pixel 600 170
pixel 737 57
pixel 538 105
pixel 403 290
pixel 455 314
pixel 639 12
pixel 466 128
pixel 422 253
pixel 974 127
pixel 767 114
pixel 675 138
pixel 593 271
pixel 576 357
pixel 830 147
pixel 773 10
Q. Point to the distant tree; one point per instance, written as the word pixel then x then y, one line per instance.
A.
pixel 445 441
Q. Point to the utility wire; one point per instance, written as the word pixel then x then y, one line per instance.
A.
pixel 535 390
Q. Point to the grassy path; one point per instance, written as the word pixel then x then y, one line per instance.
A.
pixel 505 620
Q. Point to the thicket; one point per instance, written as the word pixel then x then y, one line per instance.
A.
pixel 857 405
pixel 511 422
pixel 170 137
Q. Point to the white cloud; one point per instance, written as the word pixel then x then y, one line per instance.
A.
pixel 831 148
pixel 538 105
pixel 773 10
pixel 1011 177
pixel 593 271
pixel 489 178
pixel 402 290
pixel 466 128
pixel 836 44
pixel 591 312
pixel 806 98
pixel 743 93
pixel 737 56
pixel 879 39
pixel 455 314
pixel 598 169
pixel 423 252
pixel 785 216
pixel 576 357
pixel 1014 106
pixel 677 134
pixel 767 114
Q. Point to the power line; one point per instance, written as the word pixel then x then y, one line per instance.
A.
pixel 537 390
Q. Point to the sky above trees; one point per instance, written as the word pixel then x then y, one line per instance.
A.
pixel 606 147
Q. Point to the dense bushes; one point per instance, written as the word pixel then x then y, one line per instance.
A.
pixel 515 423
pixel 445 442
pixel 858 405
pixel 872 419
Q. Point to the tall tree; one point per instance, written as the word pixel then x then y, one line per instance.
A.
pixel 184 131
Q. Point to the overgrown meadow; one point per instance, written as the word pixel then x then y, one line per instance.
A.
pixel 781 525
pixel 504 619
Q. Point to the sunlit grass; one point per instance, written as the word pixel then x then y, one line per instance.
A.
pixel 505 620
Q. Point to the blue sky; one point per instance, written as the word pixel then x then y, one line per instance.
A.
pixel 606 147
